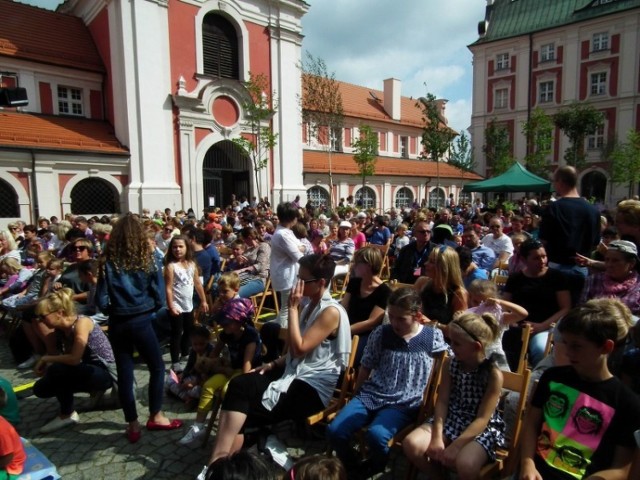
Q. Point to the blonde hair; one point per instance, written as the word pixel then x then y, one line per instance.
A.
pixel 10 264
pixel 486 288
pixel 447 275
pixel 370 256
pixel 618 311
pixel 10 240
pixel 630 211
pixel 484 329
pixel 229 280
pixel 56 301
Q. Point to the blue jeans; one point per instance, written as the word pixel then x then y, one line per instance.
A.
pixel 383 425
pixel 537 344
pixel 127 334
pixel 62 381
pixel 251 288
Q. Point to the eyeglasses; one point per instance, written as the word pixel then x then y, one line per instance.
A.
pixel 80 248
pixel 422 231
pixel 13 229
pixel 168 230
pixel 308 280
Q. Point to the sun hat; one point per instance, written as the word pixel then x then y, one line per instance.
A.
pixel 344 224
pixel 361 215
pixel 236 310
pixel 624 246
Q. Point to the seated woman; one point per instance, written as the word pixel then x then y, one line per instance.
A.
pixel 85 362
pixel 302 382
pixel 366 298
pixel 342 249
pixel 544 293
pixel 620 278
pixel 251 261
pixel 441 289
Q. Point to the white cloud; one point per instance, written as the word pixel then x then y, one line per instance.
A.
pixel 366 41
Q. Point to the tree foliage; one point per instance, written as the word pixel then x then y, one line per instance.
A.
pixel 461 155
pixel 538 131
pixel 365 152
pixel 436 135
pixel 577 121
pixel 259 112
pixel 497 147
pixel 321 104
pixel 625 162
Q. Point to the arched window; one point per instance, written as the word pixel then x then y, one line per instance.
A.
pixel 436 198
pixel 464 197
pixel 404 197
pixel 93 196
pixel 9 207
pixel 219 47
pixel 318 196
pixel 594 185
pixel 366 198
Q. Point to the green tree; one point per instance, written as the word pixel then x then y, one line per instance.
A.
pixel 577 121
pixel 625 162
pixel 538 131
pixel 365 152
pixel 261 140
pixel 461 155
pixel 497 147
pixel 436 135
pixel 322 109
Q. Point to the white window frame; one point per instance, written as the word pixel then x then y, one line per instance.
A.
pixel 67 103
pixel 404 197
pixel 501 98
pixel 503 61
pixel 548 52
pixel 404 146
pixel 596 141
pixel 336 139
pixel 598 83
pixel 546 91
pixel 368 196
pixel 600 42
pixel 318 196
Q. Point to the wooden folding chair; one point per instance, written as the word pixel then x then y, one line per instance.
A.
pixel 549 345
pixel 259 300
pixel 395 284
pixel 500 281
pixel 339 286
pixel 524 338
pixel 341 395
pixel 507 458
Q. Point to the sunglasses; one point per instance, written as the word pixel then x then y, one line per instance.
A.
pixel 309 280
pixel 80 248
pixel 422 231
pixel 168 230
pixel 494 226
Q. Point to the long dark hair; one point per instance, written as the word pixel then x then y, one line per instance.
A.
pixel 128 247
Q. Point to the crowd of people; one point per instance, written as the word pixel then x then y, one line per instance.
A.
pixel 90 292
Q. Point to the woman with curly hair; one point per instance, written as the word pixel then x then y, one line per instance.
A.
pixel 130 290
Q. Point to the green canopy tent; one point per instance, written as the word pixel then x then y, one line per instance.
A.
pixel 516 179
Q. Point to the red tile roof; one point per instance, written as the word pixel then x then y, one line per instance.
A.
pixel 46 132
pixel 32 33
pixel 316 161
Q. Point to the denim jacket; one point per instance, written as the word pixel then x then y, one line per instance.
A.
pixel 130 292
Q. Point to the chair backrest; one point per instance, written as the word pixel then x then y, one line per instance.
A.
pixel 430 395
pixel 500 280
pixel 549 345
pixel 349 378
pixel 339 289
pixel 517 383
pixel 522 360
pixel 395 284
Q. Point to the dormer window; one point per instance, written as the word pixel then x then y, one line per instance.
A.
pixel 600 42
pixel 502 61
pixel 70 101
pixel 548 52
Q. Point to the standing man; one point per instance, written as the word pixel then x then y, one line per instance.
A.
pixel 408 266
pixel 569 225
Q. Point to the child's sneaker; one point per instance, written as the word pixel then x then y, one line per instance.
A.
pixel 203 474
pixel 278 452
pixel 195 433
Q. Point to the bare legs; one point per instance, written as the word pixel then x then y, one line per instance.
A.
pixel 229 440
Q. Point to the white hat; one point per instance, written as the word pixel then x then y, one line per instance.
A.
pixel 322 216
pixel 361 215
pixel 344 224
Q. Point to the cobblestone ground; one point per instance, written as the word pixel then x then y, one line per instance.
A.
pixel 97 449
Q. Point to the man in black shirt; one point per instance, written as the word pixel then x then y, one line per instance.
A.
pixel 408 266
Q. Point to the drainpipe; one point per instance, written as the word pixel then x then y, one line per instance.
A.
pixel 35 209
pixel 529 88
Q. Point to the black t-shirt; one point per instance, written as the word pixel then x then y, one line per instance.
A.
pixel 583 423
pixel 537 295
pixel 361 307
pixel 569 226
pixel 237 347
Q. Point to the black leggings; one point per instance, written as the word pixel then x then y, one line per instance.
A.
pixel 244 395
pixel 181 326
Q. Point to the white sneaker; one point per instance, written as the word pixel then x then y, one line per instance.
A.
pixel 29 362
pixel 177 367
pixel 194 433
pixel 203 473
pixel 58 423
pixel 278 452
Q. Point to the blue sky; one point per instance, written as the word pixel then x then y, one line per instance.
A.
pixel 416 41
